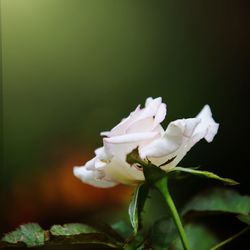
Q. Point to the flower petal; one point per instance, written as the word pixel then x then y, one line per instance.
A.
pixel 102 154
pixel 208 127
pixel 120 171
pixel 130 138
pixel 90 165
pixel 173 138
pixel 179 138
pixel 153 108
pixel 99 164
pixel 105 133
pixel 150 109
pixel 153 104
pixel 143 125
pixel 120 151
pixel 160 114
pixel 124 124
pixel 148 101
pixel 89 177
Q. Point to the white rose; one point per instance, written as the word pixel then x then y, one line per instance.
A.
pixel 142 130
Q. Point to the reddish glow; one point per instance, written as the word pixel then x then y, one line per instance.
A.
pixel 35 199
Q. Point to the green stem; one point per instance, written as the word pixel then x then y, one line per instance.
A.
pixel 230 239
pixel 162 186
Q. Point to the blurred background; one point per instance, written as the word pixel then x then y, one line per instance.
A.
pixel 72 69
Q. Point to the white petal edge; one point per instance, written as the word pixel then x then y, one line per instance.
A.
pixel 90 165
pixel 88 177
pixel 121 127
pixel 131 138
pixel 160 114
pixel 207 124
pixel 102 154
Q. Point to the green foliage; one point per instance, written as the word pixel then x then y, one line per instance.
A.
pixel 244 218
pixel 163 233
pixel 31 234
pixel 85 238
pixel 162 186
pixel 123 228
pixel 13 237
pixel 136 206
pixel 167 233
pixel 219 200
pixel 71 229
pixel 135 242
pixel 199 237
pixel 206 174
pixel 131 241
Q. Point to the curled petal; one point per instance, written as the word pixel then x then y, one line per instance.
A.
pixel 160 114
pixel 102 154
pixel 175 135
pixel 105 133
pixel 148 101
pixel 208 127
pixel 153 108
pixel 120 146
pixel 99 164
pixel 124 124
pixel 153 104
pixel 179 138
pixel 90 164
pixel 89 177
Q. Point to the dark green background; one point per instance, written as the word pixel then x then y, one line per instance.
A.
pixel 73 68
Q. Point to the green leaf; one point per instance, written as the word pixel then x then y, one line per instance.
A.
pixel 220 200
pixel 244 218
pixel 163 233
pixel 131 241
pixel 71 229
pixel 31 234
pixel 13 237
pixel 136 242
pixel 77 233
pixel 136 206
pixel 123 228
pixel 206 174
pixel 199 237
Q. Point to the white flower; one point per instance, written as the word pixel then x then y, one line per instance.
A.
pixel 142 130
